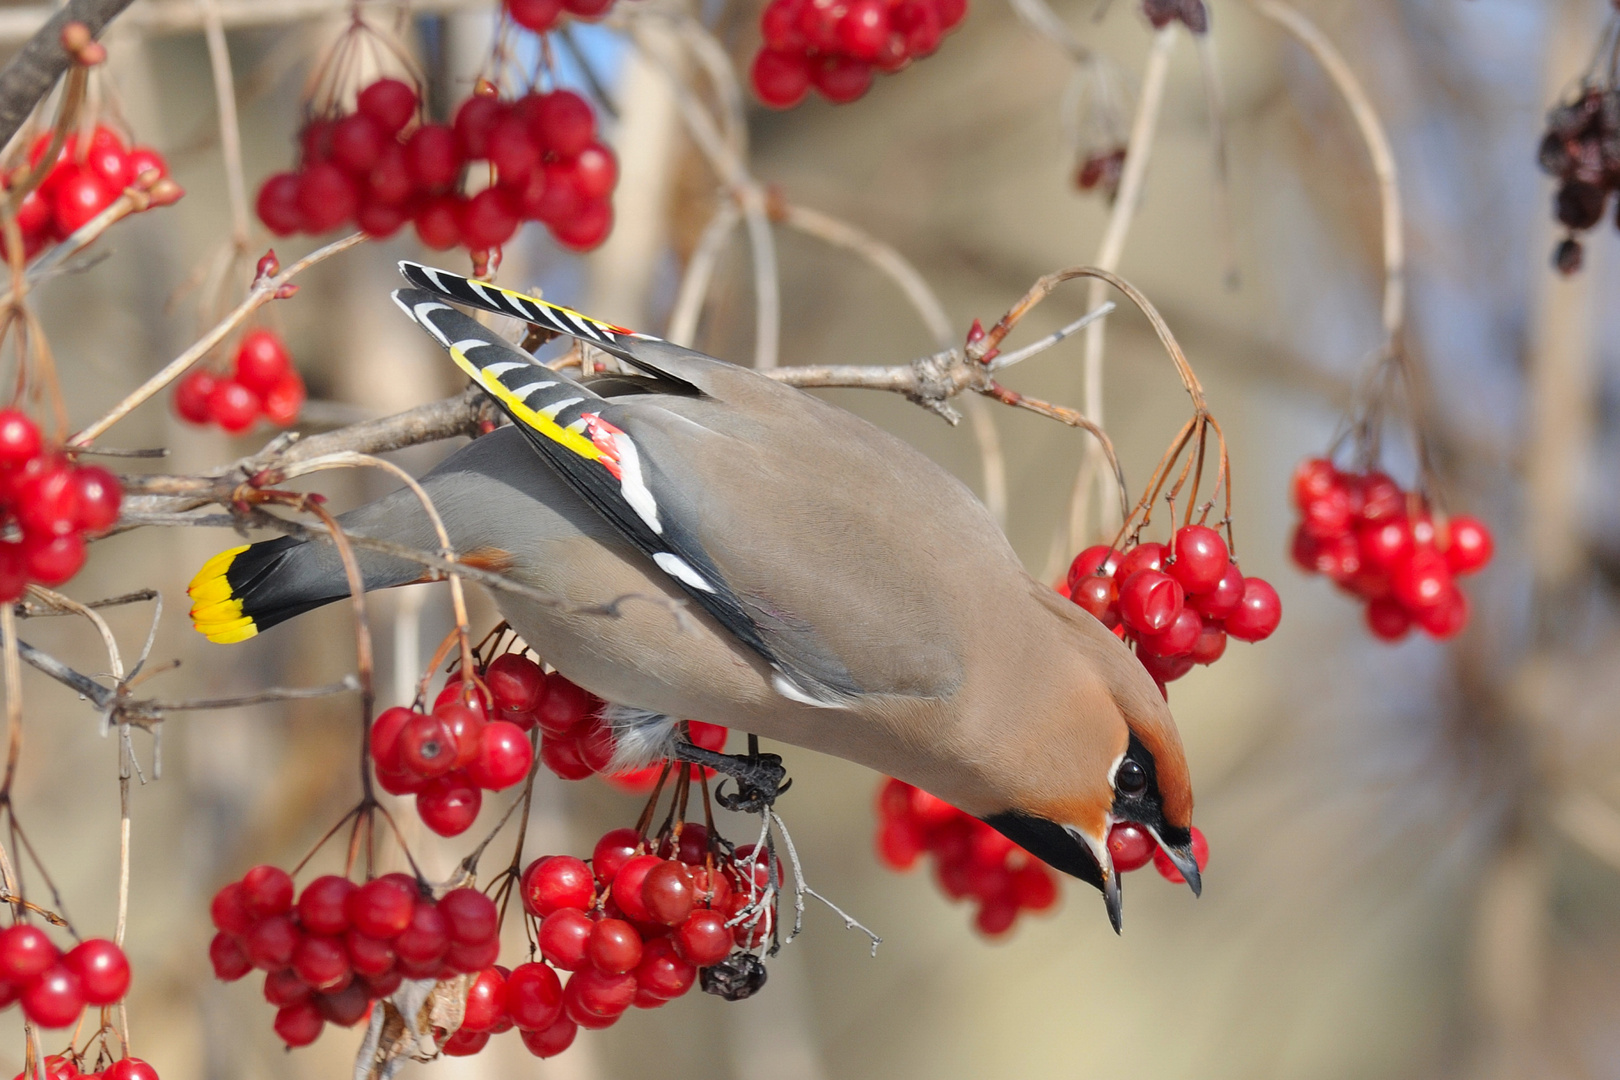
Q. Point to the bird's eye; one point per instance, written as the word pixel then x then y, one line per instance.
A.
pixel 1130 779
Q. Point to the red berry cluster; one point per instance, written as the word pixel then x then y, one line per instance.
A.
pixel 542 15
pixel 450 756
pixel 1193 14
pixel 84 181
pixel 341 946
pixel 52 503
pixel 1177 604
pixel 1380 544
pixel 55 987
pixel 972 860
pixel 1581 148
pixel 542 150
pixel 632 928
pixel 1132 847
pixel 835 45
pixel 64 1067
pixel 262 382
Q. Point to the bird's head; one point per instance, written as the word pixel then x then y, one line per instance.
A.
pixel 1110 753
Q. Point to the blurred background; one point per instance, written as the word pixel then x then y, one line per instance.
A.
pixel 1415 846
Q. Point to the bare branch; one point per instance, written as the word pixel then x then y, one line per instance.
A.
pixel 29 76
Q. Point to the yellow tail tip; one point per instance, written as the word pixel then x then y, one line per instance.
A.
pixel 215 612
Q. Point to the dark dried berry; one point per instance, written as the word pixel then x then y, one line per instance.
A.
pixel 1579 205
pixel 738 976
pixel 1567 256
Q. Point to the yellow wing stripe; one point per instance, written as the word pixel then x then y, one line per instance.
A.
pixel 545 425
pixel 598 323
pixel 216 613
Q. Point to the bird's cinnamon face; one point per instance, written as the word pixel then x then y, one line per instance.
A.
pixel 1074 838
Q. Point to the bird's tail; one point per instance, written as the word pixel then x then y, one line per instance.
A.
pixel 246 589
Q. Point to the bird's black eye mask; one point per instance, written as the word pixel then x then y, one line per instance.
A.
pixel 1137 797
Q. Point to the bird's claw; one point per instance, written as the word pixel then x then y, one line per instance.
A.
pixel 761 778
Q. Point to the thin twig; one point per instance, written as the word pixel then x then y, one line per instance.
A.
pixel 230 136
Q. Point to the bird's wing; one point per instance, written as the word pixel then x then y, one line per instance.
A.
pixel 573 429
pixel 654 356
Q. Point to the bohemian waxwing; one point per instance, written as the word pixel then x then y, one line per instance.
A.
pixel 841 591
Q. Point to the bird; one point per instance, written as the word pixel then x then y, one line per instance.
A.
pixel 727 548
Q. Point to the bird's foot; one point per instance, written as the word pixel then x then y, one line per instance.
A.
pixel 760 778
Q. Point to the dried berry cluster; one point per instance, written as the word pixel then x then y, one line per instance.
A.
pixel 372 167
pixel 1100 170
pixel 54 987
pixel 1382 545
pixel 1176 604
pixel 262 382
pixel 1193 13
pixel 972 860
pixel 341 946
pixel 52 503
pixel 87 176
pixel 1581 148
pixel 66 1067
pixel 836 45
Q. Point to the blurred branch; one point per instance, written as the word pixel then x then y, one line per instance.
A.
pixel 29 76
pixel 19 23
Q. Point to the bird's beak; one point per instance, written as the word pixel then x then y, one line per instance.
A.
pixel 1113 899
pixel 1182 856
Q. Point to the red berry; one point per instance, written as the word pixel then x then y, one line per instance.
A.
pixel 663 971
pixel 565 707
pixel 433 157
pixel 1200 850
pixel 271 942
pixel 1313 479
pixel 586 227
pixel 1471 545
pixel 627 885
pixel 1445 619
pixel 327 197
pixel 389 102
pixel 1131 846
pixel 598 995
pixel 78 198
pixel 1375 497
pixel 564 936
pixel 1211 644
pixel 322 962
pixel 533 996
pixel 56 1067
pixel 561 754
pixel 54 999
pixel 465 1042
pixel 192 394
pixel 449 805
pixel 558 881
pixel 1258 613
pixel 553 1040
pixel 266 891
pixel 1034 887
pixel 389 182
pixel 703 939
pixel 488 219
pixel 322 906
pixel 464 957
pixel 595 172
pixel 277 204
pixel 52 560
pixel 230 962
pixel 382 908
pixel 614 946
pixel 470 917
pixel 920 24
pixel 426 938
pixel 587 9
pixel 1177 639
pixel 144 159
pixel 345 1007
pixel 1222 600
pixel 1148 556
pixel 841 79
pixel 25 953
pixel 1386 544
pixel 1388 619
pixel 512 150
pixel 228 910
pixel 130 1068
pixel 357 143
pixel 616 848
pixel 1329 514
pixel 47 499
pixel 261 361
pixel 438 222
pixel 564 123
pixel 283 988
pixel 299 1025
pixel 1200 559
pixel 1423 580
pixel 951 12
pixel 486 1001
pixel 667 893
pixel 426 746
pixel 1099 597
pixel 233 406
pixel 1093 561
pixel 474 123
pixel 98 498
pixel 102 969
pixel 368 956
pixel 1149 600
pixel 385 731
pixel 284 401
pixel 1165 669
pixel 536 15
pixel 504 757
pixel 20 440
pixel 465 722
